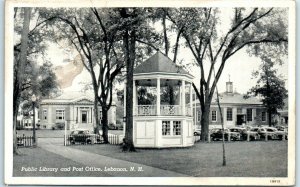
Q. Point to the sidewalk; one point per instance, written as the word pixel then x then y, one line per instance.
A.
pixel 110 166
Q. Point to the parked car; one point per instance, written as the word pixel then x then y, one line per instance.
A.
pixel 244 133
pixel 20 141
pixel 216 134
pixel 83 136
pixel 197 132
pixel 58 126
pixel 113 126
pixel 266 131
pixel 279 133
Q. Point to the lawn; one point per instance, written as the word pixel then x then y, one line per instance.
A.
pixel 244 159
pixel 37 157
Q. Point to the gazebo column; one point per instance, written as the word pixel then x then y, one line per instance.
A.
pixel 191 99
pixel 158 97
pixel 134 98
pixel 183 97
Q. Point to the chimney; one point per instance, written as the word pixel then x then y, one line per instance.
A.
pixel 229 86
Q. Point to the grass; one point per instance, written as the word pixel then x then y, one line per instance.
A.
pixel 244 159
pixel 37 157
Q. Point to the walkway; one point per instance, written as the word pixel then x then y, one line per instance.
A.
pixel 111 166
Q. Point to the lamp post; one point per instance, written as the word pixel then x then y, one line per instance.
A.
pixel 33 99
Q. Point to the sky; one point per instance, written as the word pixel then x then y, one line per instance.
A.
pixel 239 67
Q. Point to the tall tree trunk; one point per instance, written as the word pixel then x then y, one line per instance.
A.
pixel 20 73
pixel 176 45
pixel 15 146
pixel 129 50
pixel 165 35
pixel 205 122
pixel 96 114
pixel 105 124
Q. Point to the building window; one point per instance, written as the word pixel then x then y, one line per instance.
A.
pixel 198 115
pixel 263 116
pixel 45 114
pixel 229 114
pixel 60 114
pixel 166 128
pixel 249 114
pixel 176 127
pixel 213 115
pixel 239 111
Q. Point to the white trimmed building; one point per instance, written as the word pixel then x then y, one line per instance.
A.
pixel 76 109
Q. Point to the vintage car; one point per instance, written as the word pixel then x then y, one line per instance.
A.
pixel 83 136
pixel 280 134
pixel 265 131
pixel 244 133
pixel 197 132
pixel 216 134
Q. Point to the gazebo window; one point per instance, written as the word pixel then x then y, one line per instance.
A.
pixel 166 128
pixel 176 127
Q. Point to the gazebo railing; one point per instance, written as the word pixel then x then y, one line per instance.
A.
pixel 145 110
pixel 170 110
pixel 165 110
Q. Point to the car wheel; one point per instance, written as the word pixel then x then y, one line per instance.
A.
pixel 88 141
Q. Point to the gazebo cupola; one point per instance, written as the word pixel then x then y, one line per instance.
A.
pixel 162 101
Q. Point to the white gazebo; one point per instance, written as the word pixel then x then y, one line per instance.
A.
pixel 162 104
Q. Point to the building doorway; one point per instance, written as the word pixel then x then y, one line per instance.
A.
pixel 240 119
pixel 83 116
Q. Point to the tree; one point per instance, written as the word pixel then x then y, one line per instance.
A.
pixel 270 87
pixel 136 30
pixel 29 77
pixel 249 28
pixel 94 34
pixel 19 72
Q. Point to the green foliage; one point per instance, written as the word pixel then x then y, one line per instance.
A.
pixel 270 87
pixel 38 77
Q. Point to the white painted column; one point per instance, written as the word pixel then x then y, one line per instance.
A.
pixel 158 133
pixel 134 98
pixel 195 113
pixel 191 100
pixel 158 97
pixel 183 98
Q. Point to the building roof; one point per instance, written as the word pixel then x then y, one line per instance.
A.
pixel 236 98
pixel 159 63
pixel 68 97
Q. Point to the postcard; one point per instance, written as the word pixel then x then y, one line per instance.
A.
pixel 150 92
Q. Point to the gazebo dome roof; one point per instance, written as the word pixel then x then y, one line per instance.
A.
pixel 159 63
